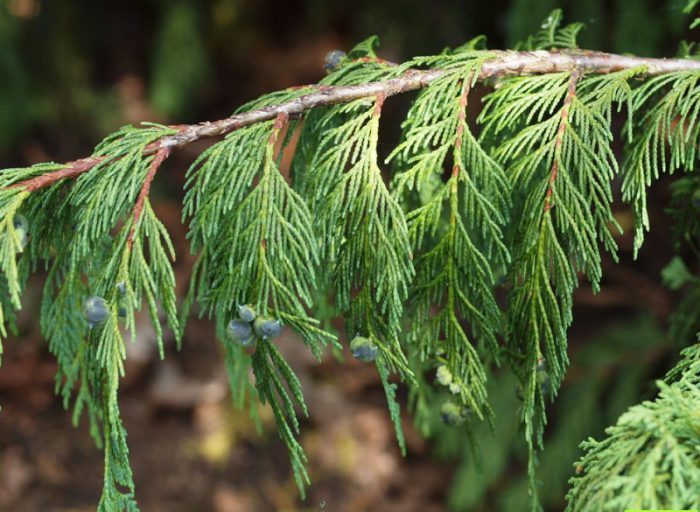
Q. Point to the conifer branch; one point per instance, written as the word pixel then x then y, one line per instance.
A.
pixel 503 63
pixel 413 266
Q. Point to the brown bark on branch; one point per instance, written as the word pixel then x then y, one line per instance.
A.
pixel 570 93
pixel 160 157
pixel 503 63
pixel 71 170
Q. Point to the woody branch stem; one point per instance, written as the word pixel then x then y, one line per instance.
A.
pixel 160 157
pixel 503 63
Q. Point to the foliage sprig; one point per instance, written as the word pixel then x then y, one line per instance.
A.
pixel 519 199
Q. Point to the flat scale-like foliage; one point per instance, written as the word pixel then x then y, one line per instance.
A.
pixel 458 253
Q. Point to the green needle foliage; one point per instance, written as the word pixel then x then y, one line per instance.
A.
pixel 456 233
pixel 257 247
pixel 651 458
pixel 668 140
pixel 465 256
pixel 558 156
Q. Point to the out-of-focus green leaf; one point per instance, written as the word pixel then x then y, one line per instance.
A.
pixel 180 63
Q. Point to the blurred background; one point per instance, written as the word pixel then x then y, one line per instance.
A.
pixel 72 71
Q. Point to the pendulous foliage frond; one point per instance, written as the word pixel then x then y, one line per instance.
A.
pixel 558 157
pixel 127 261
pixel 455 262
pixel 520 199
pixel 258 248
pixel 666 138
pixel 362 228
pixel 651 458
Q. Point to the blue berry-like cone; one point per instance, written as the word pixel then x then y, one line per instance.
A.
pixel 333 60
pixel 95 310
pixel 21 225
pixel 241 332
pixel 247 313
pixel 20 222
pixel 542 377
pixel 121 287
pixel 267 327
pixel 272 329
pixel 363 349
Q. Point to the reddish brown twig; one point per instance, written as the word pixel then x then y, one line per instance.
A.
pixel 570 94
pixel 71 170
pixel 280 122
pixel 161 155
pixel 503 63
pixel 379 104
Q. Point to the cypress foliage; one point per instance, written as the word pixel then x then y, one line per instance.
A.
pixel 651 458
pixel 521 201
